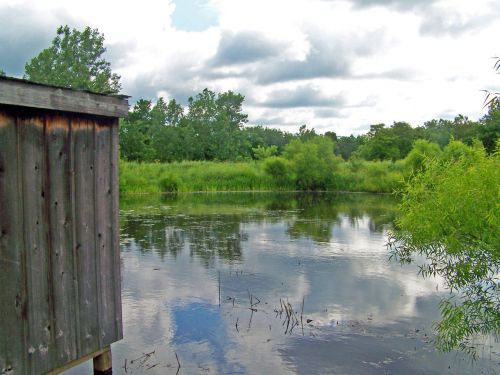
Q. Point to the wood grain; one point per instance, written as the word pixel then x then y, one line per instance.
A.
pixel 28 94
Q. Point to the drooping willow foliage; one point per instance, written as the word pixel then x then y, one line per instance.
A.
pixel 450 213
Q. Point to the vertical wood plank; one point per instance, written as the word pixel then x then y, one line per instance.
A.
pixel 59 239
pixel 83 138
pixel 13 352
pixel 58 144
pixel 103 209
pixel 115 228
pixel 36 243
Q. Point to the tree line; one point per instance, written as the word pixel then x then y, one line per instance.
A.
pixel 210 128
pixel 213 127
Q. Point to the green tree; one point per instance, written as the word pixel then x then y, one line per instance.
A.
pixel 262 152
pixel 421 151
pixel 2 73
pixel 305 134
pixel 405 135
pixel 438 131
pixel 346 146
pixel 313 162
pixel 217 120
pixel 489 132
pixel 163 113
pixel 465 130
pixel 153 132
pixel 135 142
pixel 450 214
pixel 174 113
pixel 381 144
pixel 332 135
pixel 141 111
pixel 279 169
pixel 230 107
pixel 262 136
pixel 74 60
pixel 202 108
pixel 135 133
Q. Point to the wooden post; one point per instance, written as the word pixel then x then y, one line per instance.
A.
pixel 102 363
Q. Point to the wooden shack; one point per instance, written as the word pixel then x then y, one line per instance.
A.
pixel 60 294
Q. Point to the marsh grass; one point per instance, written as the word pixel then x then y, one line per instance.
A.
pixel 193 176
pixel 189 176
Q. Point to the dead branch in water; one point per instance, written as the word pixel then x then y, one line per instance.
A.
pixel 291 318
pixel 178 363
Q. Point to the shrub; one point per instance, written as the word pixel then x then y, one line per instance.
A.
pixel 279 170
pixel 421 151
pixel 169 183
pixel 313 162
pixel 261 152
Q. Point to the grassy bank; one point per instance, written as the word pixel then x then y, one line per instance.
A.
pixel 191 176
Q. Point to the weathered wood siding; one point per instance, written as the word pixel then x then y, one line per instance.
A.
pixel 29 94
pixel 59 252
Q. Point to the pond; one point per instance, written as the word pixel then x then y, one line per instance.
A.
pixel 274 283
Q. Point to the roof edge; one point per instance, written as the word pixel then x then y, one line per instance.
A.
pixel 21 92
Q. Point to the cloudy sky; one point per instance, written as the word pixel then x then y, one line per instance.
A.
pixel 336 65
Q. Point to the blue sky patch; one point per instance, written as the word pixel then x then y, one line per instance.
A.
pixel 193 15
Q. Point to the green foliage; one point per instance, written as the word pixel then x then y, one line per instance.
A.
pixel 190 176
pixel 278 168
pixel 381 144
pixel 306 134
pixel 450 214
pixel 313 162
pixel 421 151
pixel 346 146
pixel 405 136
pixel 465 130
pixel 135 143
pixel 274 173
pixel 2 73
pixel 489 133
pixel 368 176
pixel 227 176
pixel 217 120
pixel 211 129
pixel 456 150
pixel 153 132
pixel 262 152
pixel 74 60
pixel 169 183
pixel 264 136
pixel 438 131
pixel 139 178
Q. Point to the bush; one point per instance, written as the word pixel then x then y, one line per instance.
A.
pixel 169 183
pixel 278 168
pixel 261 152
pixel 422 150
pixel 313 163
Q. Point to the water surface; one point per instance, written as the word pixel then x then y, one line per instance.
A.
pixel 242 283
